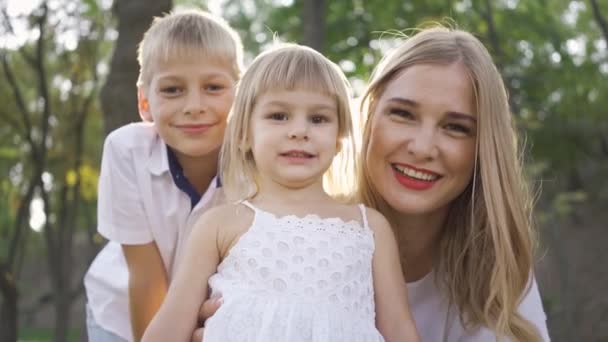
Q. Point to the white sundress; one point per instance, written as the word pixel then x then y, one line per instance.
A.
pixel 296 279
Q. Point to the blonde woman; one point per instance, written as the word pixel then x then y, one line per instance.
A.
pixel 291 262
pixel 440 161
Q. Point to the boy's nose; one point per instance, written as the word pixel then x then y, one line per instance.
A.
pixel 195 104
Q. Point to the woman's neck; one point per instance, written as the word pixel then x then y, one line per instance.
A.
pixel 418 237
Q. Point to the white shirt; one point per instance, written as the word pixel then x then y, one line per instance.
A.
pixel 434 317
pixel 138 202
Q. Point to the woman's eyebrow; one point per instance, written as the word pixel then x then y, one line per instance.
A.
pixel 461 116
pixel 404 101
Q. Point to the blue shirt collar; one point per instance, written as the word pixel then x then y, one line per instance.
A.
pixel 180 180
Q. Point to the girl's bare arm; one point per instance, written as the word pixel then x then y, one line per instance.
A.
pixel 393 317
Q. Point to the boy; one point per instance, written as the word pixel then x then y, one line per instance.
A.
pixel 158 176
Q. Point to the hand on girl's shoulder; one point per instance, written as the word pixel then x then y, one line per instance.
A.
pixel 225 223
pixel 223 216
pixel 377 222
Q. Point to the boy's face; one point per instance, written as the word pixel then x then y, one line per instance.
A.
pixel 188 101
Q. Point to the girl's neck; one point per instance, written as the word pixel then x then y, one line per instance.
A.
pixel 278 196
pixel 199 170
pixel 418 237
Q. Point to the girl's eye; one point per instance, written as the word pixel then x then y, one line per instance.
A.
pixel 278 116
pixel 318 119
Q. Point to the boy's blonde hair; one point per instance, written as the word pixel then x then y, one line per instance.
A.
pixel 188 34
pixel 285 67
pixel 485 256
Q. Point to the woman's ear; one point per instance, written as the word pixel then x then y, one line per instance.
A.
pixel 143 106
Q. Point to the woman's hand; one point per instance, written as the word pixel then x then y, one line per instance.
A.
pixel 207 310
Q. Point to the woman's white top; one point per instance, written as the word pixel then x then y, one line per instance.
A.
pixel 437 321
pixel 296 279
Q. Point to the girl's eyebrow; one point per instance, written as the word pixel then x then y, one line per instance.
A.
pixel 280 103
pixel 451 114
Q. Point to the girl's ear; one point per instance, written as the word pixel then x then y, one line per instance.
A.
pixel 338 145
pixel 143 106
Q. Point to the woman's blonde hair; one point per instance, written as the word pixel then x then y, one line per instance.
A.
pixel 189 34
pixel 485 254
pixel 285 67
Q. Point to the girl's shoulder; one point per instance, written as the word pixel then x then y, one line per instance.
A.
pixel 369 217
pixel 225 216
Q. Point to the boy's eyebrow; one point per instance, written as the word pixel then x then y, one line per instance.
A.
pixel 207 75
pixel 451 114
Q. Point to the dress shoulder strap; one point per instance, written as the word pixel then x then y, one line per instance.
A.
pixel 363 210
pixel 249 205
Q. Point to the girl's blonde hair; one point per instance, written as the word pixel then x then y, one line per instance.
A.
pixel 485 254
pixel 285 67
pixel 189 34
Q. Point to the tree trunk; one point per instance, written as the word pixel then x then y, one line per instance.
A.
pixel 62 313
pixel 8 310
pixel 315 23
pixel 118 95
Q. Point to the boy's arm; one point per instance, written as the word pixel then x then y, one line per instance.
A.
pixel 147 284
pixel 122 218
pixel 177 317
pixel 393 317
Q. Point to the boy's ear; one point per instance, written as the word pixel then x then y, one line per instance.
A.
pixel 143 106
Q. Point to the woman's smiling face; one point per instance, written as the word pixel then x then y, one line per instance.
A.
pixel 421 152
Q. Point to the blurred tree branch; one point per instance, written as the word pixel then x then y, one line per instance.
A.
pixel 599 18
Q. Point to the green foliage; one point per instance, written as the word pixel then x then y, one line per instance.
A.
pixel 44 335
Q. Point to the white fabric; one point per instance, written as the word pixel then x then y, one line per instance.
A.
pixel 435 318
pixel 296 279
pixel 138 203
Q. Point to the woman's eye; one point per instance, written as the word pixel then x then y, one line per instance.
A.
pixel 458 128
pixel 402 113
pixel 278 116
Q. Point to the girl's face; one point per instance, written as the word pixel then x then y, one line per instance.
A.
pixel 294 137
pixel 421 151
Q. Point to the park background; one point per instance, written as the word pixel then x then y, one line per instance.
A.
pixel 68 73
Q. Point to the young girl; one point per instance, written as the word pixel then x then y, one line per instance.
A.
pixel 293 264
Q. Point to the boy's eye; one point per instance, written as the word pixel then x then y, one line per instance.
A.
pixel 278 116
pixel 214 87
pixel 170 90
